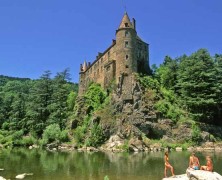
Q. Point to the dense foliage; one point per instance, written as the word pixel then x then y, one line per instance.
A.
pixel 28 107
pixel 192 83
pixel 89 131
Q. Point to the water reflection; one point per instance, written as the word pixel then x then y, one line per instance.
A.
pixel 94 166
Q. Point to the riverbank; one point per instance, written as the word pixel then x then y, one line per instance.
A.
pixel 118 144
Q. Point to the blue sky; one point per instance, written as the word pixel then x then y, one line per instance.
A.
pixel 39 35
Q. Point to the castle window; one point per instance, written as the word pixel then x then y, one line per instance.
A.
pixel 101 60
pixel 126 33
pixel 101 69
pixel 127 57
pixel 126 25
pixel 127 66
pixel 126 44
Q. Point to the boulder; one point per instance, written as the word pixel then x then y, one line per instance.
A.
pixel 52 146
pixel 114 143
pixel 179 149
pixel 136 145
pixel 181 177
pixel 22 176
pixel 202 175
pixel 92 149
pixel 196 175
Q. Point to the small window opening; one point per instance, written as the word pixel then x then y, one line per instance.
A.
pixel 126 25
pixel 127 57
pixel 126 44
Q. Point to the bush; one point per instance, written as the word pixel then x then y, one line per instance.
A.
pixel 96 137
pixel 95 96
pixel 25 141
pixel 80 131
pixel 148 82
pixel 51 133
pixel 196 133
pixel 17 135
pixel 64 136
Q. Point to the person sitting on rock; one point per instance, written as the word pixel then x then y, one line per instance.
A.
pixel 194 162
pixel 209 166
pixel 168 165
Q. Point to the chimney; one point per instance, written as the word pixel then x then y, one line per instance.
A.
pixel 134 24
pixel 89 64
pixel 99 55
pixel 114 41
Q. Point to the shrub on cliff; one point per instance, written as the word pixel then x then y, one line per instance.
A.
pixel 95 96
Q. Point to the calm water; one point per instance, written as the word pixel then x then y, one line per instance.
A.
pixel 93 166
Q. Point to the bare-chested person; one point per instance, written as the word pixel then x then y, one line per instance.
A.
pixel 194 162
pixel 209 166
pixel 168 165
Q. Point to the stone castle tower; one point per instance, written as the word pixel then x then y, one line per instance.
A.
pixel 127 54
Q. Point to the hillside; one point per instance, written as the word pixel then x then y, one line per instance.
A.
pixel 179 104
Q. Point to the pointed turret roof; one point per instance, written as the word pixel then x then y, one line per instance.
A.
pixel 125 23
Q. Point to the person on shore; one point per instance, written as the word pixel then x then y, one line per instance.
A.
pixel 167 165
pixel 194 162
pixel 209 165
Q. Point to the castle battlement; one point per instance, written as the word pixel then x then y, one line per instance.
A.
pixel 127 54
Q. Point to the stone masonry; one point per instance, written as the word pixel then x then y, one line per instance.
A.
pixel 127 54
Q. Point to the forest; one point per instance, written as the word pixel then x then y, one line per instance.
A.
pixel 188 87
pixel 30 107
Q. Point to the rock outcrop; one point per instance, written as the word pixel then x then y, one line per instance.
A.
pixel 197 175
pixel 202 175
pixel 181 177
pixel 136 118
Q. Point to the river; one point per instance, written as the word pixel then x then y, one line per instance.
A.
pixel 94 165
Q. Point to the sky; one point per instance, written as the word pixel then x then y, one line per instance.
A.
pixel 40 35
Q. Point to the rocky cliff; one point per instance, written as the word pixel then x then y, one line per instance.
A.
pixel 135 123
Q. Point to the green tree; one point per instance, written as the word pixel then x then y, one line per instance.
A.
pixel 39 100
pixel 196 81
pixel 218 87
pixel 59 107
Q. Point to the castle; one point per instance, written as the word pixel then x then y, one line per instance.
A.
pixel 127 54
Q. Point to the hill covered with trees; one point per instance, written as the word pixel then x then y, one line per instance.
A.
pixel 179 103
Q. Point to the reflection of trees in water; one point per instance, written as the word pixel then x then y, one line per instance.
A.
pixel 95 165
pixel 137 163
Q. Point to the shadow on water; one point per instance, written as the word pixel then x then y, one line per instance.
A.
pixel 94 166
